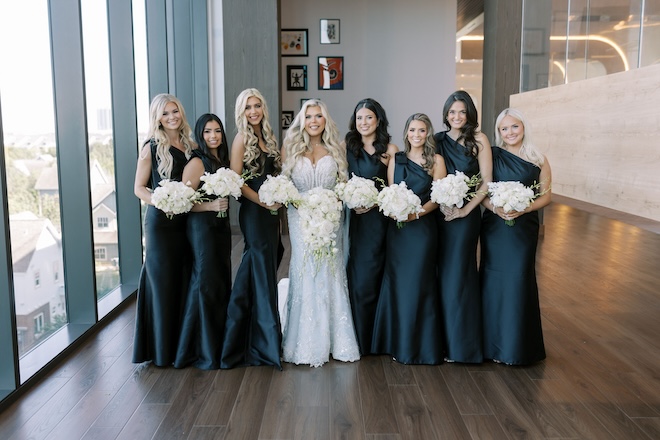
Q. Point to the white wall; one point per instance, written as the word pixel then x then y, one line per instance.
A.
pixel 398 53
pixel 601 138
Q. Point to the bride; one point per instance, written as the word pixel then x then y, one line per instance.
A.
pixel 319 321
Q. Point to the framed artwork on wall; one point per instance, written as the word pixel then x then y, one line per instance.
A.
pixel 293 42
pixel 331 73
pixel 302 101
pixel 287 118
pixel 329 31
pixel 296 77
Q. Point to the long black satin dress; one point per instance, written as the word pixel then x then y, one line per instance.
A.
pixel 164 277
pixel 408 322
pixel 205 312
pixel 253 334
pixel 457 265
pixel 512 318
pixel 366 259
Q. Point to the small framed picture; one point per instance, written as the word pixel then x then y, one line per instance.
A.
pixel 293 42
pixel 287 119
pixel 296 77
pixel 329 31
pixel 331 73
pixel 302 101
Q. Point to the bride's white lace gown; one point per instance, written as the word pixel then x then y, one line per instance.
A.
pixel 319 321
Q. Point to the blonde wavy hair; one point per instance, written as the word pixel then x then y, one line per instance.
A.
pixel 296 143
pixel 528 151
pixel 164 158
pixel 429 146
pixel 250 139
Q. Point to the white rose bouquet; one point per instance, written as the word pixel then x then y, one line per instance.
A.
pixel 358 192
pixel 453 189
pixel 399 201
pixel 511 196
pixel 174 197
pixel 278 189
pixel 320 214
pixel 223 183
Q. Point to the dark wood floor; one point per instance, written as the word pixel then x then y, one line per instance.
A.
pixel 599 281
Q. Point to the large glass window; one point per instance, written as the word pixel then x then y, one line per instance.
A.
pixel 469 59
pixel 101 154
pixel 141 78
pixel 650 52
pixel 565 41
pixel 141 69
pixel 32 175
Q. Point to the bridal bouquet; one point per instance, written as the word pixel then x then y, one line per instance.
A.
pixel 174 197
pixel 320 214
pixel 224 182
pixel 278 189
pixel 511 196
pixel 453 189
pixel 398 201
pixel 358 192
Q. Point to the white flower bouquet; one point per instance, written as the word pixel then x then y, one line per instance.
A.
pixel 223 183
pixel 511 196
pixel 278 189
pixel 453 189
pixel 320 214
pixel 398 201
pixel 174 197
pixel 358 192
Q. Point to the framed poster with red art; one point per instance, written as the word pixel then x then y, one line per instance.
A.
pixel 293 42
pixel 331 73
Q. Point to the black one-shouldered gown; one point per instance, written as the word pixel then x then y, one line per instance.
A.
pixel 408 321
pixel 512 318
pixel 457 265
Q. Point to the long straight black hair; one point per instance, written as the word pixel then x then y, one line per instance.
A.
pixel 223 149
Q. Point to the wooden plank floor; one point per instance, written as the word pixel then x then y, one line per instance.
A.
pixel 599 280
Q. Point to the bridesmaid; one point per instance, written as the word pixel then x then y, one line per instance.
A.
pixel 205 312
pixel 512 319
pixel 467 150
pixel 252 334
pixel 369 152
pixel 407 324
pixel 165 273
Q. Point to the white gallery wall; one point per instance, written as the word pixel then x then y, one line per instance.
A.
pixel 398 53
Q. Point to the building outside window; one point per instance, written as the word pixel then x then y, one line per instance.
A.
pixel 100 254
pixel 38 323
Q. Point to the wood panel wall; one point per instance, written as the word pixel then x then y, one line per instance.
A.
pixel 602 138
pixel 501 68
